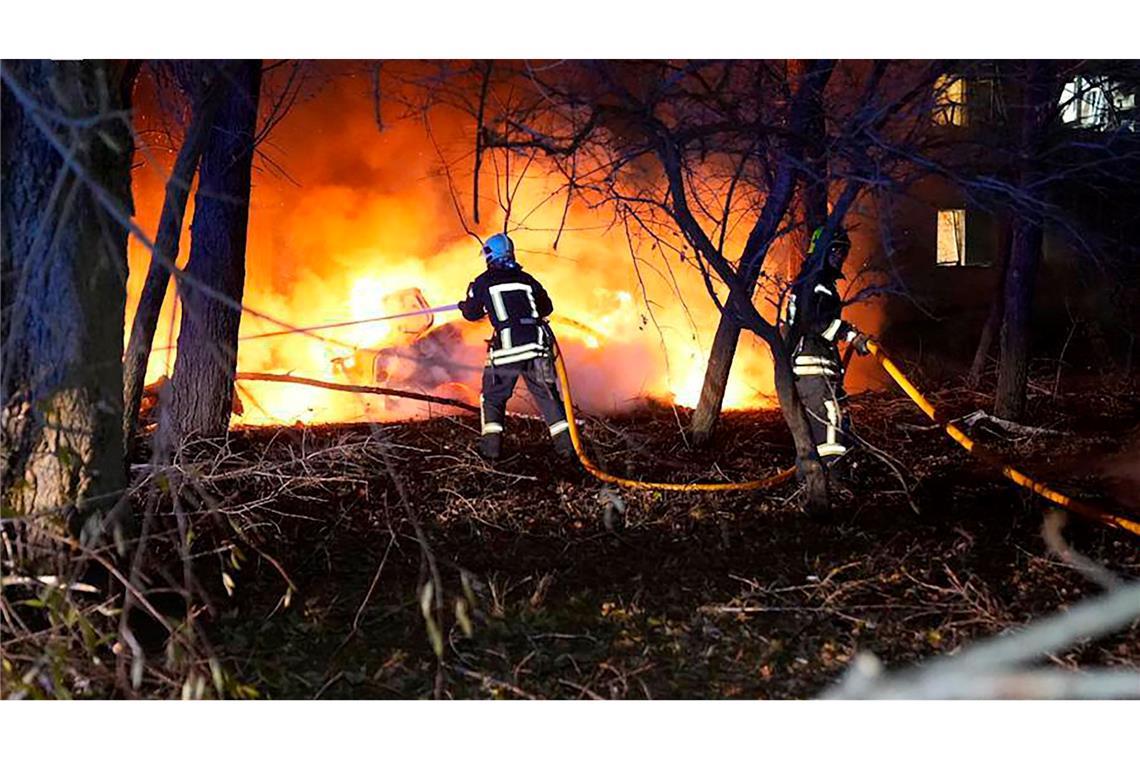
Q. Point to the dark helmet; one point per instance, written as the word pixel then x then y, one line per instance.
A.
pixel 837 248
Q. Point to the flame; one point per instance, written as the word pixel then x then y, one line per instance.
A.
pixel 368 215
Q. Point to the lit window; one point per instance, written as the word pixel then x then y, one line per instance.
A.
pixel 950 101
pixel 952 237
pixel 1094 103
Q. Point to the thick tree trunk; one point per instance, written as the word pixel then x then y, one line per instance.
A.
pixel 1013 371
pixel 64 283
pixel 164 255
pixel 1025 250
pixel 202 385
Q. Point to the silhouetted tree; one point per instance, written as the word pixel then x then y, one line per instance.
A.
pixel 803 162
pixel 204 83
pixel 1038 109
pixel 696 149
pixel 202 385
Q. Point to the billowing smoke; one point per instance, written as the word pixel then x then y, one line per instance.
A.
pixel 347 220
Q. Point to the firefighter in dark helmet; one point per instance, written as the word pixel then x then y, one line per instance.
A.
pixel 521 346
pixel 815 328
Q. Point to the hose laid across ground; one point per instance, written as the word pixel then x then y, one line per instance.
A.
pixel 1017 476
pixel 749 485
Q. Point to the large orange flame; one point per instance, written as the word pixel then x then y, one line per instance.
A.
pixel 365 213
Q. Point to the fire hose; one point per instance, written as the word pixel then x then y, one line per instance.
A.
pixel 1018 477
pixel 1087 511
pixel 957 434
pixel 600 474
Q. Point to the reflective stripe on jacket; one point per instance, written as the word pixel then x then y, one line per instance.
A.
pixel 516 304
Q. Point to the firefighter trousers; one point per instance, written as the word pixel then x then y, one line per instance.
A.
pixel 824 401
pixel 541 380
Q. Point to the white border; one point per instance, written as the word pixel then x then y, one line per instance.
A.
pixel 575 730
pixel 583 28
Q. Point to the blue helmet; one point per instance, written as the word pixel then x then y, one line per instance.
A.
pixel 499 250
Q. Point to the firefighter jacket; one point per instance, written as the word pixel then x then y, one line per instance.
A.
pixel 815 325
pixel 517 305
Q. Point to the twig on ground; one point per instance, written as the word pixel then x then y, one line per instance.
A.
pixel 1051 528
pixel 972 419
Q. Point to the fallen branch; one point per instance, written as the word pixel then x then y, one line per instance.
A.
pixel 1055 522
pixel 269 377
pixel 990 668
pixel 1012 428
pixel 1046 683
pixel 490 681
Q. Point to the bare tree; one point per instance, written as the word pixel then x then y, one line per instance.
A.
pixel 204 84
pixel 802 150
pixel 202 385
pixel 657 138
pixel 67 150
pixel 1038 109
pixel 704 158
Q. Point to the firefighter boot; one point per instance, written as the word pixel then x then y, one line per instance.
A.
pixel 564 447
pixel 491 446
pixel 840 475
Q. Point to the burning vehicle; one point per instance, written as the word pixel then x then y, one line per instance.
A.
pixel 443 360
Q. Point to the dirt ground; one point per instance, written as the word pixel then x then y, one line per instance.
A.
pixel 551 584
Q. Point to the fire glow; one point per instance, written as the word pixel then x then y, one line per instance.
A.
pixel 365 221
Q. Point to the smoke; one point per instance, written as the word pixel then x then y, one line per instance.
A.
pixel 344 214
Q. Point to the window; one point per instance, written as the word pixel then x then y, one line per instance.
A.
pixel 1096 103
pixel 950 101
pixel 987 101
pixel 952 237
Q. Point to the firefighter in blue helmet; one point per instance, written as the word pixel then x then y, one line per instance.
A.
pixel 521 346
pixel 815 328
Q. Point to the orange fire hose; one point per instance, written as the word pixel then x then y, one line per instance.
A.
pixel 1020 478
pixel 750 485
pixel 1017 476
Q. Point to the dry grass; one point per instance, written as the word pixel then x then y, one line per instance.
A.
pixel 309 571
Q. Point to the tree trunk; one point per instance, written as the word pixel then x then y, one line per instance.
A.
pixel 986 340
pixel 1013 371
pixel 812 473
pixel 997 312
pixel 202 385
pixel 716 380
pixel 165 253
pixel 1025 249
pixel 64 282
pixel 806 116
pixel 814 197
